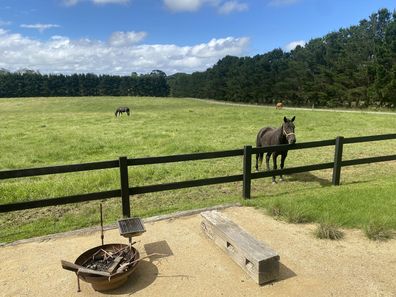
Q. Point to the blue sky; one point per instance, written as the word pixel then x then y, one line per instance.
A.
pixel 124 36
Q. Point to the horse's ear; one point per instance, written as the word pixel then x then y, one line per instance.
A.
pixel 285 119
pixel 293 118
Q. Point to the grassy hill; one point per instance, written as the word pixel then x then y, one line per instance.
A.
pixel 53 131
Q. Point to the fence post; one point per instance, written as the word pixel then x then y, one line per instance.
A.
pixel 247 171
pixel 126 209
pixel 337 160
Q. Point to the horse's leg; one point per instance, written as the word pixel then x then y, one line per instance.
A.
pixel 259 160
pixel 283 158
pixel 267 159
pixel 275 166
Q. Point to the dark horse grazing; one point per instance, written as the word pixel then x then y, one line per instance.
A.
pixel 122 109
pixel 273 136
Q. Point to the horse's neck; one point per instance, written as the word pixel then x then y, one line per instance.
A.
pixel 282 137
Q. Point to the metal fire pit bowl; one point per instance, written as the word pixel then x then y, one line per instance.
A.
pixel 103 283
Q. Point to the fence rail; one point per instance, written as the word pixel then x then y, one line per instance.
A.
pixel 57 169
pixel 247 175
pixel 186 157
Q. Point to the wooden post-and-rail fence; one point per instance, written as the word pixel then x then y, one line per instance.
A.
pixel 246 177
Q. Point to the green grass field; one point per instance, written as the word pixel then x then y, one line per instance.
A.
pixel 39 132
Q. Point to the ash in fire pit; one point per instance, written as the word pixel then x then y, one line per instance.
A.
pixel 109 260
pixel 105 267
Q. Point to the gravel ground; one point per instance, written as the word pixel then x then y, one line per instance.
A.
pixel 195 266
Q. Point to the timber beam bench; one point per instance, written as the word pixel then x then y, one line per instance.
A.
pixel 255 257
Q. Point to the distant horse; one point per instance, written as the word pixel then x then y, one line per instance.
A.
pixel 121 109
pixel 279 105
pixel 274 136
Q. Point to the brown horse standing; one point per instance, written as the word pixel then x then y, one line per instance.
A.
pixel 274 136
pixel 279 105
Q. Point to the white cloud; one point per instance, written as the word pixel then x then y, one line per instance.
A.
pixel 292 45
pixel 61 54
pixel 70 2
pixel 231 6
pixel 126 38
pixel 74 2
pixel 282 2
pixel 184 5
pixel 40 27
pixel 4 23
pixel 223 7
pixel 110 1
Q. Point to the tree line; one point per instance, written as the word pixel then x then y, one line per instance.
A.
pixel 353 67
pixel 28 83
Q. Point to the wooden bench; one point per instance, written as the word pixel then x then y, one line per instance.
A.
pixel 255 257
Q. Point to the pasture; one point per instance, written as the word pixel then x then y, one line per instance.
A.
pixel 38 132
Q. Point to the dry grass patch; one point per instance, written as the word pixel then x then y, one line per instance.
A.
pixel 378 232
pixel 328 231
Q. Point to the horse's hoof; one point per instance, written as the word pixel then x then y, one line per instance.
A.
pixel 281 179
pixel 274 182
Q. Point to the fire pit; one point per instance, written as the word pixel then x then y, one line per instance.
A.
pixel 108 266
pixel 105 267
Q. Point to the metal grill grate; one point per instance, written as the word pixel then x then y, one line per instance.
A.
pixel 131 227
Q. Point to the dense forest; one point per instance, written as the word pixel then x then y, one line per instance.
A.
pixel 354 67
pixel 28 83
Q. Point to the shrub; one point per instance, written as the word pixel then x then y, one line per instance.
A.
pixel 377 231
pixel 328 231
pixel 276 210
pixel 296 215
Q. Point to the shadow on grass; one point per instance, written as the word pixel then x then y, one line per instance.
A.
pixel 309 177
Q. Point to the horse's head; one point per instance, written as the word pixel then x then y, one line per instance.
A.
pixel 288 130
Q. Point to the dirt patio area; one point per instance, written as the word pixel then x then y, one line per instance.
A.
pixel 195 266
